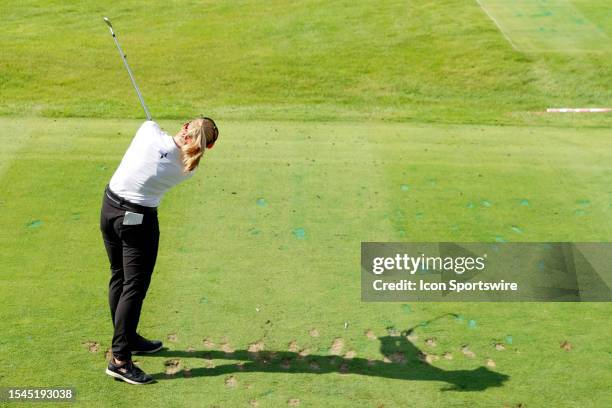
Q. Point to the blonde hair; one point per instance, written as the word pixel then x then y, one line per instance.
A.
pixel 203 132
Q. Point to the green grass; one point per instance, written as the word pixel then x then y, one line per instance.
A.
pixel 223 256
pixel 552 26
pixel 326 110
pixel 426 61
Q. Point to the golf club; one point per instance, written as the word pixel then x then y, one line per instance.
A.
pixel 124 58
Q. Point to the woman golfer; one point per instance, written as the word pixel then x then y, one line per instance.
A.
pixel 154 162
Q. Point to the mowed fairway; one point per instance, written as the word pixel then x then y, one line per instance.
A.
pixel 561 26
pixel 262 247
pixel 340 122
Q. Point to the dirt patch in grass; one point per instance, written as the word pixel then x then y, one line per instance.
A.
pixel 337 346
pixel 227 348
pixel 208 343
pixel 293 347
pixel 428 357
pixel 209 363
pixel 172 367
pixel 231 382
pixel 467 352
pixel 370 335
pixel 313 333
pixel 566 345
pixel 256 347
pixel 173 337
pixel 397 358
pixel 92 346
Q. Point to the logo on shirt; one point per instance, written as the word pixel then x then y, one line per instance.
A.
pixel 162 154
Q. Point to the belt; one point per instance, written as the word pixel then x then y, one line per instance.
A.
pixel 128 204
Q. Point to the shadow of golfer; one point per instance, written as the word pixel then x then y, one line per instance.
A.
pixel 404 361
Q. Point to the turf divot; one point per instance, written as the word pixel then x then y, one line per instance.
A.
pixel 231 382
pixel 172 367
pixel 337 346
pixel 92 346
pixel 467 352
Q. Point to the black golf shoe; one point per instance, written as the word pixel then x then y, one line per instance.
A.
pixel 128 372
pixel 142 345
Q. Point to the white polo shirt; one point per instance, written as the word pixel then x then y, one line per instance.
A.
pixel 150 167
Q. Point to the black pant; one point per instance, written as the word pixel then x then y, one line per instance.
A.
pixel 132 252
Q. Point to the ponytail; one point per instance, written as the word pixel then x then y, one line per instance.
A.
pixel 203 133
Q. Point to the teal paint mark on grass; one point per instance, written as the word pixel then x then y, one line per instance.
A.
pixel 261 202
pixel 508 339
pixel 516 229
pixel 34 224
pixel 579 213
pixel 470 205
pixel 583 202
pixel 499 239
pixel 459 318
pixel 543 14
pixel 472 324
pixel 486 203
pixel 405 187
pixel 524 202
pixel 299 233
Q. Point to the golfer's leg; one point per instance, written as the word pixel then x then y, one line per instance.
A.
pixel 114 250
pixel 139 255
pixel 151 255
pixel 115 285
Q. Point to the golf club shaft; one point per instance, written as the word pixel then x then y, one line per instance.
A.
pixel 123 57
